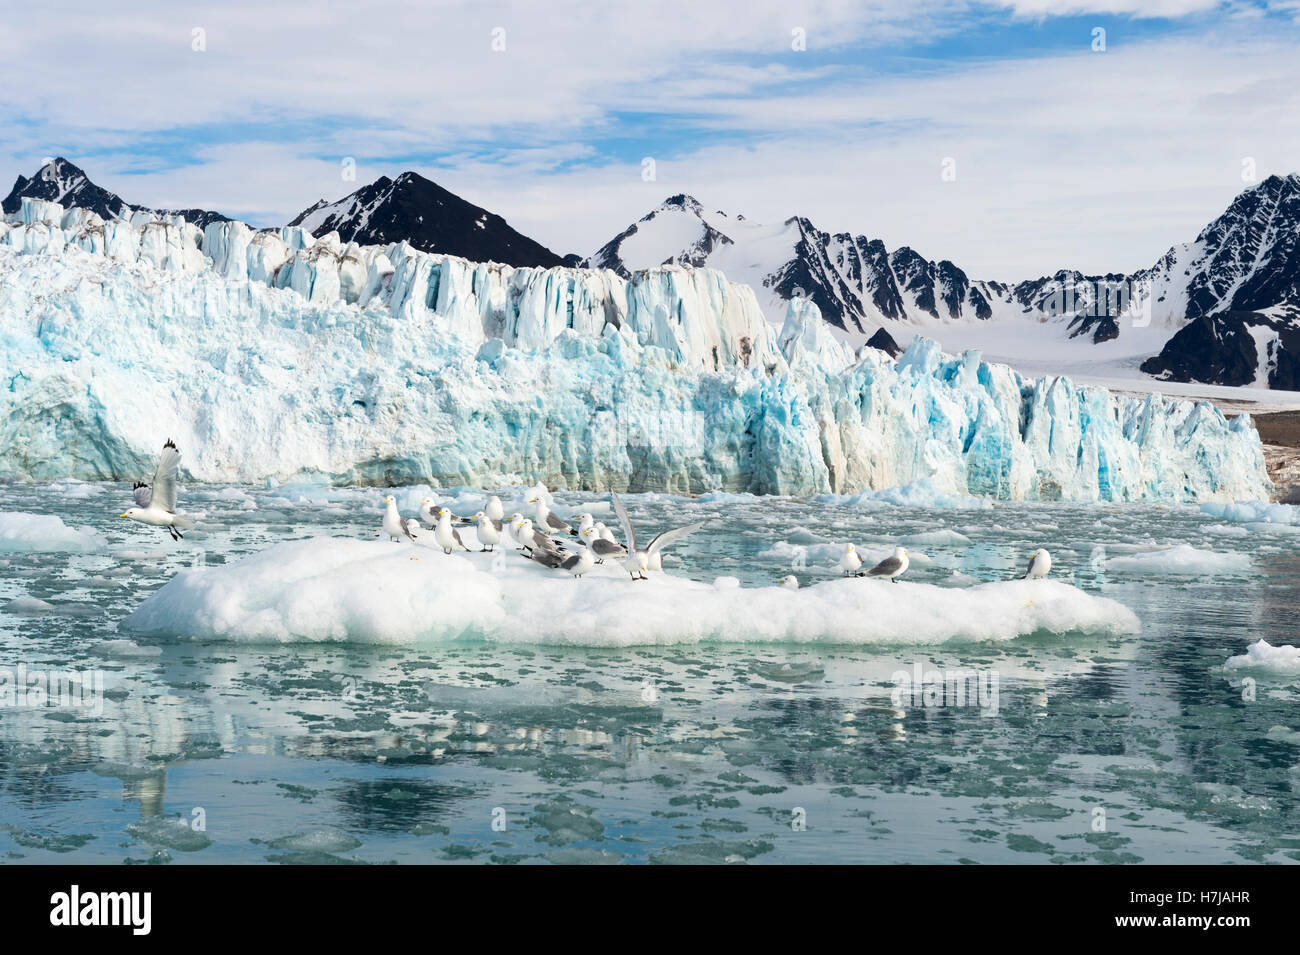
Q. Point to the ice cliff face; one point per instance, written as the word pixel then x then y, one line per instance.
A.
pixel 268 354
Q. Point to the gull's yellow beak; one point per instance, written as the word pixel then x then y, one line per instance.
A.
pixel 121 515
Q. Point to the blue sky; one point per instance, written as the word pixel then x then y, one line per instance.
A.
pixel 1065 156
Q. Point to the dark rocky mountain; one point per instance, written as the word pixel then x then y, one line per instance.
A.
pixel 856 282
pixel 885 342
pixel 1242 270
pixel 430 218
pixel 1231 348
pixel 62 182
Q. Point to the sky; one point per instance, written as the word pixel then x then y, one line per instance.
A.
pixel 1013 137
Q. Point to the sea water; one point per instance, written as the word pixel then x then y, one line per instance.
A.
pixel 1060 747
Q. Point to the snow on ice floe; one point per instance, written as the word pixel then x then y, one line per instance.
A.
pixel 331 589
pixel 379 365
pixel 1181 560
pixel 45 533
pixel 1261 655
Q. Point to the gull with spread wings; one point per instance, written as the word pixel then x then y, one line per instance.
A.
pixel 156 503
pixel 638 561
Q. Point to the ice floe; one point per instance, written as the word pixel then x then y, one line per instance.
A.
pixel 1181 560
pixel 330 589
pixel 1261 655
pixel 44 533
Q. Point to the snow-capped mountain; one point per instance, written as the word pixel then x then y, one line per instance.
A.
pixel 1242 271
pixel 856 281
pixel 62 182
pixel 430 218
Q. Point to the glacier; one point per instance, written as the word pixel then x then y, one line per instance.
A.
pixel 279 355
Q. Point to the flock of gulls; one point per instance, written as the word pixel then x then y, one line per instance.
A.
pixel 540 537
pixel 545 537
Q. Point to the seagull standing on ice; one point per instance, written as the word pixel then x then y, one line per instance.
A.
pixel 448 537
pixel 602 548
pixel 546 521
pixel 639 561
pixel 395 525
pixel 156 504
pixel 428 512
pixel 1040 564
pixel 892 567
pixel 789 582
pixel 585 521
pixel 579 563
pixel 489 531
pixel 850 562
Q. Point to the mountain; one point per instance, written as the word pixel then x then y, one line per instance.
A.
pixel 62 182
pixel 1241 273
pixel 855 280
pixel 430 218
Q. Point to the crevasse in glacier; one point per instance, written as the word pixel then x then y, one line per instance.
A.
pixel 276 353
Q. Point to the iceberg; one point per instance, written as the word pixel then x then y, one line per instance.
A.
pixel 337 590
pixel 1283 660
pixel 278 355
pixel 45 533
pixel 1181 560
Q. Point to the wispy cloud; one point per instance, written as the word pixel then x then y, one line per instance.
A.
pixel 842 111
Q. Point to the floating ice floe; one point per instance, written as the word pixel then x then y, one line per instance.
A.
pixel 1181 560
pixel 1262 655
pixel 329 589
pixel 45 533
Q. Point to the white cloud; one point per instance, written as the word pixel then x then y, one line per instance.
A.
pixel 1095 161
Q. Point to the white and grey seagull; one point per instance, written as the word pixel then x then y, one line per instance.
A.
pixel 545 520
pixel 601 547
pixel 579 563
pixel 448 537
pixel 1040 564
pixel 639 561
pixel 893 566
pixel 156 503
pixel 489 531
pixel 395 525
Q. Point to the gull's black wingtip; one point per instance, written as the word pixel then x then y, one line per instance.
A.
pixel 170 444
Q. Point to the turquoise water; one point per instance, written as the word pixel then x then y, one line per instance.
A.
pixel 1133 749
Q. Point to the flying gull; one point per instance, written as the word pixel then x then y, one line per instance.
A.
pixel 638 560
pixel 156 504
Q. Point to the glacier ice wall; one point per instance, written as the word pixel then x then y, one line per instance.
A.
pixel 276 353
